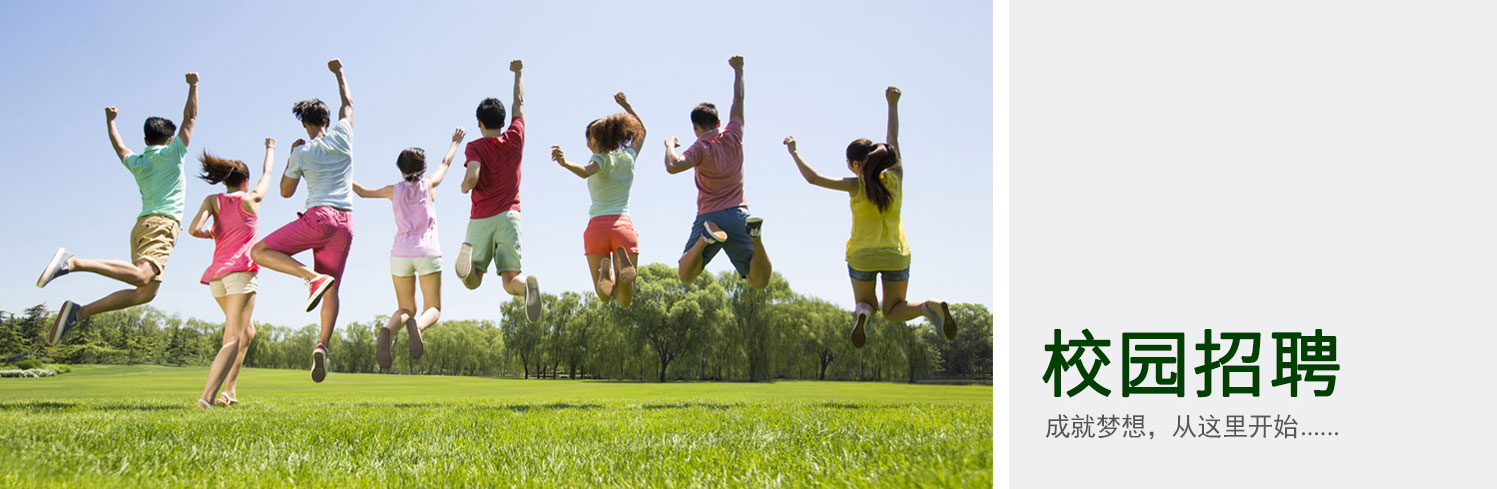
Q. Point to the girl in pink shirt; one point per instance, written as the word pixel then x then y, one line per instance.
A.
pixel 232 274
pixel 416 254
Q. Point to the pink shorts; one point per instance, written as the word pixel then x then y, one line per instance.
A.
pixel 604 233
pixel 324 230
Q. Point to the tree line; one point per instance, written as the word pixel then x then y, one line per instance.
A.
pixel 714 328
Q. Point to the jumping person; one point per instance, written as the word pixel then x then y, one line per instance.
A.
pixel 326 227
pixel 615 142
pixel 493 163
pixel 159 171
pixel 417 253
pixel 231 276
pixel 722 221
pixel 878 246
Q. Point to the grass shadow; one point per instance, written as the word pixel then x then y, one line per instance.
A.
pixel 688 405
pixel 62 406
pixel 521 408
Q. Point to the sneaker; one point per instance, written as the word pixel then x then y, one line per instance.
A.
pixel 416 345
pixel 862 313
pixel 626 267
pixel 319 363
pixel 755 225
pixel 464 264
pixel 55 268
pixel 712 234
pixel 316 288
pixel 605 276
pixel 948 323
pixel 382 349
pixel 933 314
pixel 67 317
pixel 532 298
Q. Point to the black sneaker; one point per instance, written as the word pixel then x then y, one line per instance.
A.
pixel 755 225
pixel 862 313
pixel 67 317
pixel 712 234
pixel 55 268
pixel 319 363
pixel 382 355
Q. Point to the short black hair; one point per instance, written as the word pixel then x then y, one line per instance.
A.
pixel 312 112
pixel 491 113
pixel 704 116
pixel 159 130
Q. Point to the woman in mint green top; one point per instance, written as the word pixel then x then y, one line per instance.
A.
pixel 610 242
pixel 877 245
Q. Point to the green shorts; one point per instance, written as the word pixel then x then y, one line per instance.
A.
pixel 496 238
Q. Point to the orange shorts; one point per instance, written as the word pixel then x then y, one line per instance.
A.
pixel 605 233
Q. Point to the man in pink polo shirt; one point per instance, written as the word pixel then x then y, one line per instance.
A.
pixel 723 221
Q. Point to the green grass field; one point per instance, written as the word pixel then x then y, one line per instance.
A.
pixel 110 426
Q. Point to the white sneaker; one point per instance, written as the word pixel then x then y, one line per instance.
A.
pixel 464 263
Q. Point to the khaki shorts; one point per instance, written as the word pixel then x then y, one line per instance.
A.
pixel 234 283
pixel 152 239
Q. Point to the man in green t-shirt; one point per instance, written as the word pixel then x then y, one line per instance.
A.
pixel 159 171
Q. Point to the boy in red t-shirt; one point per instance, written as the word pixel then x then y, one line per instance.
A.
pixel 493 176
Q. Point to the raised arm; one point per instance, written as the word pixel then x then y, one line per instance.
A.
pixel 288 181
pixel 519 103
pixel 346 110
pixel 441 171
pixel 736 112
pixel 384 192
pixel 639 143
pixel 817 179
pixel 190 112
pixel 257 194
pixel 892 94
pixel 114 134
pixel 675 163
pixel 579 170
pixel 200 220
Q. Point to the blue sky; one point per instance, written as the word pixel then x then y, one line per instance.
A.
pixel 813 70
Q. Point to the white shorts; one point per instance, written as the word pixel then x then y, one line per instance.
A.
pixel 405 267
pixel 234 283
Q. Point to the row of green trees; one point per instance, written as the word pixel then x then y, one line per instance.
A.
pixel 715 328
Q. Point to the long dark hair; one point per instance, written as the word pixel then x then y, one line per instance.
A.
pixel 412 163
pixel 232 173
pixel 876 158
pixel 614 131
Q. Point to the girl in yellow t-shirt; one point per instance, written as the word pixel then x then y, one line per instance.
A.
pixel 878 245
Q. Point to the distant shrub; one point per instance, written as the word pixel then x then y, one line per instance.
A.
pixel 60 368
pixel 29 364
pixel 28 373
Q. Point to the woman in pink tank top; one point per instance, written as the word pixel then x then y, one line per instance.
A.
pixel 231 275
pixel 416 254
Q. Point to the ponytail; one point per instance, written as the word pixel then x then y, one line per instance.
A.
pixel 232 173
pixel 412 163
pixel 880 158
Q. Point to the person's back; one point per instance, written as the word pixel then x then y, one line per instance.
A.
pixel 717 156
pixel 609 187
pixel 233 234
pixel 498 187
pixel 415 220
pixel 877 241
pixel 160 172
pixel 327 165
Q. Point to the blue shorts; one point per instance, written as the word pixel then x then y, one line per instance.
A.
pixel 889 275
pixel 740 246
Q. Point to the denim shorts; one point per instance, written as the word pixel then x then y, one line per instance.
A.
pixel 889 275
pixel 739 246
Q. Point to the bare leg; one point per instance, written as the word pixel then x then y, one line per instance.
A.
pixel 137 274
pixel 246 336
pixel 624 290
pixel 690 264
pixel 431 300
pixel 896 308
pixel 223 362
pixel 474 279
pixel 405 298
pixel 759 267
pixel 329 313
pixel 513 282
pixel 603 285
pixel 866 295
pixel 284 263
pixel 120 299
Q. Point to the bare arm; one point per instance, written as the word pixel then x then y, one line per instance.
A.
pixel 384 192
pixel 639 143
pixel 114 134
pixel 519 103
pixel 579 170
pixel 190 112
pixel 736 112
pixel 345 112
pixel 675 163
pixel 817 179
pixel 288 182
pixel 892 94
pixel 258 193
pixel 200 220
pixel 441 171
pixel 470 179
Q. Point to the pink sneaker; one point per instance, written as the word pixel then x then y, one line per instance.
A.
pixel 316 288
